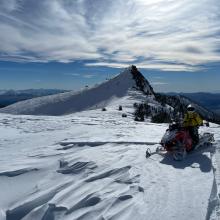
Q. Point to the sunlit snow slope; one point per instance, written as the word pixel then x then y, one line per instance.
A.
pixel 91 98
pixel 91 166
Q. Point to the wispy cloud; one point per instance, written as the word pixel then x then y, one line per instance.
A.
pixel 37 81
pixel 71 74
pixel 88 76
pixel 159 83
pixel 175 35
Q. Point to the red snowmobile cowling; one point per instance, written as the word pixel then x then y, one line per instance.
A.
pixel 175 139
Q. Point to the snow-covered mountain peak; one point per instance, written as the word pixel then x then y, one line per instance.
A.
pixel 98 96
pixel 138 80
pixel 141 81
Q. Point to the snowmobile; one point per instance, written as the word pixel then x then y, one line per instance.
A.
pixel 179 143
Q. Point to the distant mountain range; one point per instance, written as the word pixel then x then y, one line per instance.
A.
pixel 209 100
pixel 8 97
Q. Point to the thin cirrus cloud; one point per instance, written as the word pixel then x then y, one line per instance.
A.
pixel 159 83
pixel 88 76
pixel 72 74
pixel 175 35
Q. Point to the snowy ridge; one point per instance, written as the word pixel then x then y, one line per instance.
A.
pixel 96 97
pixel 205 113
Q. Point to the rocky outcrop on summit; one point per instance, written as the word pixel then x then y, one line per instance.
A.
pixel 141 82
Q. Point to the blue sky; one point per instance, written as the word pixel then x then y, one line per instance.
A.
pixel 68 44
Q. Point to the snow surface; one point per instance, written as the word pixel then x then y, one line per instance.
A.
pixel 91 165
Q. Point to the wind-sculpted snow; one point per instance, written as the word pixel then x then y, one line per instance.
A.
pixel 70 144
pixel 92 165
pixel 108 174
pixel 17 172
pixel 75 168
pixel 213 211
pixel 25 207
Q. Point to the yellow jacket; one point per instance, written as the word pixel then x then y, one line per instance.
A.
pixel 192 119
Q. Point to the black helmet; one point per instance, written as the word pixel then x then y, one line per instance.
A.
pixel 190 108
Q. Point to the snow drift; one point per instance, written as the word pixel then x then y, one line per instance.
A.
pixel 91 165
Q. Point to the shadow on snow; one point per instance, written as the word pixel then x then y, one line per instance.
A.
pixel 204 162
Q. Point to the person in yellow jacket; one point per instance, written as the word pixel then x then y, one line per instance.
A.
pixel 192 121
